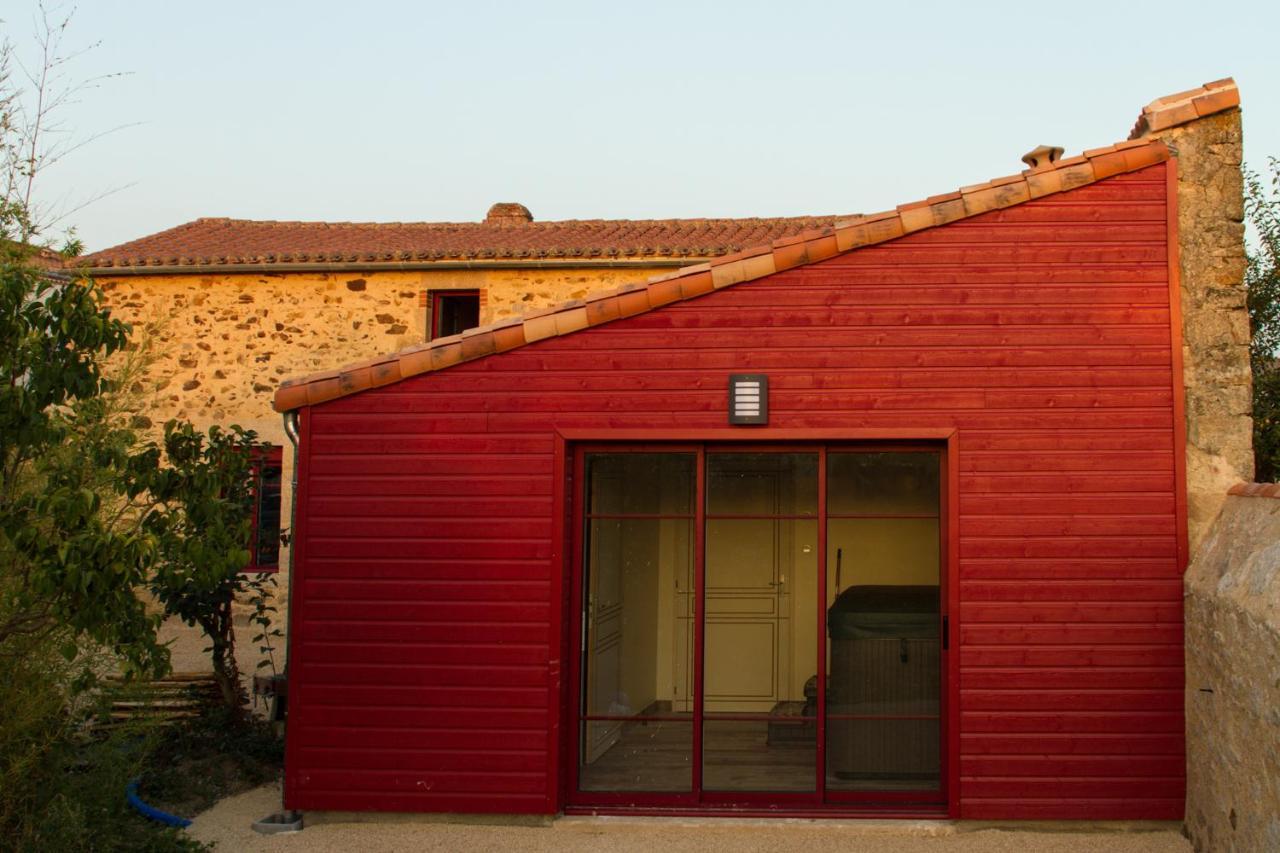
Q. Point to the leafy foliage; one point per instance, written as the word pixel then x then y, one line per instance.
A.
pixel 205 492
pixel 74 545
pixel 1262 212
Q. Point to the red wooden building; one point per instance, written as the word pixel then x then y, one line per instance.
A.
pixel 887 518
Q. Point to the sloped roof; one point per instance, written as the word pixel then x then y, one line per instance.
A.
pixel 241 242
pixel 766 259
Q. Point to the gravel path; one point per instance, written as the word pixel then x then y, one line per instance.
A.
pixel 227 824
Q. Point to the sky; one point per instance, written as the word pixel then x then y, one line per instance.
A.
pixel 424 111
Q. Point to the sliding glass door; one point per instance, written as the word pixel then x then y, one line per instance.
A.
pixel 758 626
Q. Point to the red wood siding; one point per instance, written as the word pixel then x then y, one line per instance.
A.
pixel 422 653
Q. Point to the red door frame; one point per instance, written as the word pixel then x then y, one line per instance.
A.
pixel 566 624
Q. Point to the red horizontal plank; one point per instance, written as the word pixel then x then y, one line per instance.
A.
pixel 1040 743
pixel 1000 398
pixel 1076 700
pixel 841 289
pixel 1057 440
pixel 1168 784
pixel 436 549
pixel 1070 568
pixel 619 380
pixel 367 736
pixel 427 697
pixel 484 721
pixel 998 254
pixel 328 420
pixel 408 758
pixel 393 782
pixel 1057 808
pixel 412 443
pixel 1168 589
pixel 1034 724
pixel 352 591
pixel 629 337
pixel 509 485
pixel 1095 505
pixel 524 645
pixel 1026 613
pixel 391 610
pixel 433 530
pixel 1079 678
pixel 341 799
pixel 1071 634
pixel 1070 546
pixel 439 631
pixel 834 273
pixel 995 232
pixel 537 360
pixel 1060 525
pixel 1036 461
pixel 422 673
pixel 455 506
pixel 831 318
pixel 437 464
pixel 421 568
pixel 889 419
pixel 1073 766
pixel 1130 377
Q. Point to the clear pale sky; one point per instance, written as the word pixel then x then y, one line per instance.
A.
pixel 381 111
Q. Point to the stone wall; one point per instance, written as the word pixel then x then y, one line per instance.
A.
pixel 1215 322
pixel 1233 679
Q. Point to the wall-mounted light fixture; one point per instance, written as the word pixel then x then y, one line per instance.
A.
pixel 748 398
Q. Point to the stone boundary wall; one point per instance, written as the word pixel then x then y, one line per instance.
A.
pixel 1232 598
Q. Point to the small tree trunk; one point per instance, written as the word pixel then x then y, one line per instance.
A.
pixel 220 628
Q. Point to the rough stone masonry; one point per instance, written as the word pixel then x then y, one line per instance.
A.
pixel 1215 320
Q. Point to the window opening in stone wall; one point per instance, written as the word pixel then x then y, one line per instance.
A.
pixel 452 311
pixel 264 546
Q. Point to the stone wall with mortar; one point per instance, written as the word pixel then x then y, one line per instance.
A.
pixel 1233 680
pixel 1215 322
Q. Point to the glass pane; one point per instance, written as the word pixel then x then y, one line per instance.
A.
pixel 884 673
pixel 778 754
pixel 652 755
pixel 883 484
pixel 638 610
pixel 267 543
pixel 762 483
pixel 640 483
pixel 760 639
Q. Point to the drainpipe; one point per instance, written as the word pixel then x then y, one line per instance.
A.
pixel 291 430
pixel 287 821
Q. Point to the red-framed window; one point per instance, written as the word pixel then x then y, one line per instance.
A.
pixel 264 545
pixel 452 311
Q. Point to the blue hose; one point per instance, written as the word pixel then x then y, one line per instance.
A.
pixel 131 794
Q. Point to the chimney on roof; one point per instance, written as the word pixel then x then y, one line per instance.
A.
pixel 508 213
pixel 1044 155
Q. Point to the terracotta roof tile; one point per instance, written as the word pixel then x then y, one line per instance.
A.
pixel 809 245
pixel 238 242
pixel 1182 107
pixel 1255 490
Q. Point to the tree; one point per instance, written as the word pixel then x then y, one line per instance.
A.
pixel 75 543
pixel 205 493
pixel 1262 278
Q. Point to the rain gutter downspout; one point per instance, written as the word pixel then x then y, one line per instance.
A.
pixel 291 430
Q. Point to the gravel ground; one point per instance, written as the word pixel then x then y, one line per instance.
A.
pixel 228 822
